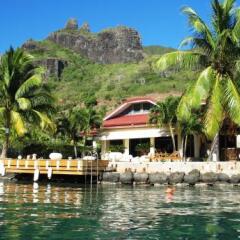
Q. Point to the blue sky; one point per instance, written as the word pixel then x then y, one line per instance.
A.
pixel 159 22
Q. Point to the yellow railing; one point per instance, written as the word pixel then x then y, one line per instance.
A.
pixel 64 166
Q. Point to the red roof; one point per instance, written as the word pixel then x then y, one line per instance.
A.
pixel 127 103
pixel 127 120
pixel 134 99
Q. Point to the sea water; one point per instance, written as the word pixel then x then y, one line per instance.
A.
pixel 73 211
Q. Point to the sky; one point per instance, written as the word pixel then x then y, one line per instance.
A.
pixel 159 22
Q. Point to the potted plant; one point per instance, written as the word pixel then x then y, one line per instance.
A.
pixel 142 148
pixel 116 148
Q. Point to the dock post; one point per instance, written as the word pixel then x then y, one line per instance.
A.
pixel 26 163
pixel 36 175
pixel 58 164
pixel 2 169
pixel 9 163
pixel 49 173
pixel 68 163
pixel 47 164
pixel 35 164
pixel 78 164
pixel 17 163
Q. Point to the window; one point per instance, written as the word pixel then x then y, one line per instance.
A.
pixel 137 108
pixel 146 107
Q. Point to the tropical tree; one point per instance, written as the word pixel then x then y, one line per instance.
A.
pixel 164 113
pixel 189 127
pixel 71 124
pixel 76 123
pixel 214 50
pixel 24 99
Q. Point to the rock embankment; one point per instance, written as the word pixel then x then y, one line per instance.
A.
pixel 161 178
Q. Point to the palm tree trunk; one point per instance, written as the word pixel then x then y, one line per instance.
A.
pixel 75 150
pixel 7 134
pixel 214 148
pixel 185 147
pixel 84 144
pixel 5 147
pixel 182 147
pixel 172 136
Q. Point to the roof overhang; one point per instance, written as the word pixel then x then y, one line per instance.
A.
pixel 133 133
pixel 125 105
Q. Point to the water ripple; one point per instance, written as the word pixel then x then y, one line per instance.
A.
pixel 39 211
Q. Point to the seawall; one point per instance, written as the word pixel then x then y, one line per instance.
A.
pixel 173 173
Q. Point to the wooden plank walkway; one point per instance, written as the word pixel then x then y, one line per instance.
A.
pixel 64 166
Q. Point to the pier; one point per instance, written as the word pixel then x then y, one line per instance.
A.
pixel 74 167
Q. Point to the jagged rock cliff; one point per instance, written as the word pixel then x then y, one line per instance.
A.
pixel 54 67
pixel 115 45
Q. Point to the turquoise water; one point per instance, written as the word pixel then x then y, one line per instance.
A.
pixel 47 211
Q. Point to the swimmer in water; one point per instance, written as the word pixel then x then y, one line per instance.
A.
pixel 169 194
pixel 170 190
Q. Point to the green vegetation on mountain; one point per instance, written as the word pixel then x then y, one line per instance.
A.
pixel 157 50
pixel 108 82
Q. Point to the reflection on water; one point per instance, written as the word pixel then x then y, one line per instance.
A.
pixel 40 211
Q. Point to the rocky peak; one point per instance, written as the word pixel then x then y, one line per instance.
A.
pixel 31 45
pixel 85 27
pixel 114 45
pixel 72 24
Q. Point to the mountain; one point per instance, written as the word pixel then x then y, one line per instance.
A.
pixel 79 66
pixel 157 50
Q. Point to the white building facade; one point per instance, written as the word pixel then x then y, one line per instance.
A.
pixel 128 126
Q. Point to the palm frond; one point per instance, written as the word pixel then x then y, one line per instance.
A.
pixel 200 90
pixel 198 25
pixel 228 5
pixel 45 122
pixel 196 94
pixel 18 123
pixel 24 103
pixel 32 83
pixel 232 99
pixel 215 112
pixel 236 29
pixel 184 59
pixel 183 110
pixel 186 42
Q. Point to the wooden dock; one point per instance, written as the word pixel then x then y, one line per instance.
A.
pixel 60 167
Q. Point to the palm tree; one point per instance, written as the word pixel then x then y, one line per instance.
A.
pixel 24 99
pixel 164 113
pixel 76 122
pixel 214 50
pixel 92 120
pixel 189 127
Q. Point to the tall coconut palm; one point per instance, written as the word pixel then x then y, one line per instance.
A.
pixel 215 50
pixel 23 97
pixel 164 113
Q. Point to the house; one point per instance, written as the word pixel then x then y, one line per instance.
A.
pixel 127 129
